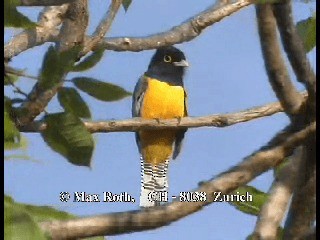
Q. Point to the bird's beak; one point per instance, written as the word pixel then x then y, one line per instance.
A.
pixel 182 63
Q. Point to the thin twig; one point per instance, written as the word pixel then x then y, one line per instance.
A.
pixel 17 89
pixel 103 26
pixel 155 217
pixel 19 73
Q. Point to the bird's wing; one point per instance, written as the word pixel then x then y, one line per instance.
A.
pixel 180 134
pixel 137 101
pixel 138 94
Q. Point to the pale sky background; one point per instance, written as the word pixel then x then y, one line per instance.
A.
pixel 226 75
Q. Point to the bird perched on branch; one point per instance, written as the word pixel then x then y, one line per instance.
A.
pixel 159 94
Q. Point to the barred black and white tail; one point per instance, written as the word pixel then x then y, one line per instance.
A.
pixel 153 179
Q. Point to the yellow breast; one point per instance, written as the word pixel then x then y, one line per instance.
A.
pixel 162 100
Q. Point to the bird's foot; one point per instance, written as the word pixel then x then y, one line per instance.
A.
pixel 179 120
pixel 158 120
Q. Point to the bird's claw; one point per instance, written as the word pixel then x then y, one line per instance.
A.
pixel 158 120
pixel 179 120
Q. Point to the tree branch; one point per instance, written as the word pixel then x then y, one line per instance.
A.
pixel 46 31
pixel 311 235
pixel 43 2
pixel 295 50
pixel 274 209
pixel 183 33
pixel 275 66
pixel 73 30
pixel 135 124
pixel 20 73
pixel 71 33
pixel 133 221
pixel 301 215
pixel 103 27
pixel 302 212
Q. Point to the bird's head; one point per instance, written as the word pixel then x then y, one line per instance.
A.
pixel 168 64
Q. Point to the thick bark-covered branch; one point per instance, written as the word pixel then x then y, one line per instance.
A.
pixel 275 66
pixel 183 33
pixel 135 124
pixel 134 221
pixel 46 31
pixel 44 2
pixel 302 213
pixel 103 26
pixel 274 209
pixel 311 235
pixel 294 48
pixel 74 27
pixel 71 34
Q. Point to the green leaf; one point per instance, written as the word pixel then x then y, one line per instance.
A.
pixel 30 214
pixel 67 135
pixel 100 90
pixel 13 18
pixel 16 157
pixel 7 104
pixel 55 65
pixel 94 238
pixel 10 78
pixel 71 101
pixel 46 213
pixel 18 223
pixel 21 143
pixel 126 4
pixel 40 213
pixel 12 137
pixel 11 133
pixel 89 61
pixel 250 207
pixel 11 145
pixel 22 155
pixel 307 31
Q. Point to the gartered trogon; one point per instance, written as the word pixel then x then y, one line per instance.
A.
pixel 159 94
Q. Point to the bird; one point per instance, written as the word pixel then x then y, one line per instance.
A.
pixel 159 94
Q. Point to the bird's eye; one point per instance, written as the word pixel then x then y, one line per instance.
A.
pixel 167 58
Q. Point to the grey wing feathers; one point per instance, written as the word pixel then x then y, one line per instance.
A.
pixel 178 143
pixel 180 134
pixel 138 94
pixel 137 99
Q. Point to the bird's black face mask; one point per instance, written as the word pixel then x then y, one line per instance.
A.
pixel 168 64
